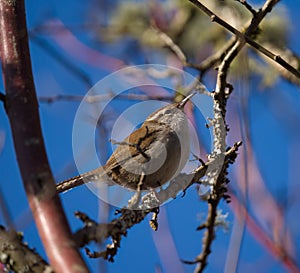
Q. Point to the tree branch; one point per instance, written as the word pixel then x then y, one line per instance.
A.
pixel 118 227
pixel 22 111
pixel 221 94
pixel 17 256
pixel 247 37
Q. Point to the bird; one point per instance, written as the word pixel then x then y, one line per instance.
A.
pixel 149 157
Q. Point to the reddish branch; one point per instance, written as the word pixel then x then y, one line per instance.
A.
pixel 22 110
pixel 277 250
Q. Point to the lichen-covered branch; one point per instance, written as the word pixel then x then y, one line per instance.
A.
pixel 114 230
pixel 118 228
pixel 17 256
pixel 218 180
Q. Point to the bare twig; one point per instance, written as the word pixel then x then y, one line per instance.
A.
pixel 246 37
pixel 101 97
pixel 170 43
pixel 292 58
pixel 214 59
pixel 248 6
pixel 204 65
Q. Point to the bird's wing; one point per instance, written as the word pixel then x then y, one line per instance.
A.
pixel 137 144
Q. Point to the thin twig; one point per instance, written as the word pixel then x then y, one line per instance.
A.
pixel 204 65
pixel 101 97
pixel 170 43
pixel 214 59
pixel 247 6
pixel 246 37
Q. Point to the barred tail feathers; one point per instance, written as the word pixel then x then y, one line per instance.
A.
pixel 77 181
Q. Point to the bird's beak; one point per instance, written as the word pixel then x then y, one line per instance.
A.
pixel 185 100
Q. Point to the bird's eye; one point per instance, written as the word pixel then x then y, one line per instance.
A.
pixel 168 111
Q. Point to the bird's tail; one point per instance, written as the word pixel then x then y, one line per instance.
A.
pixel 78 181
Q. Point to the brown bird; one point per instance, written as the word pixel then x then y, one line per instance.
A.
pixel 149 157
